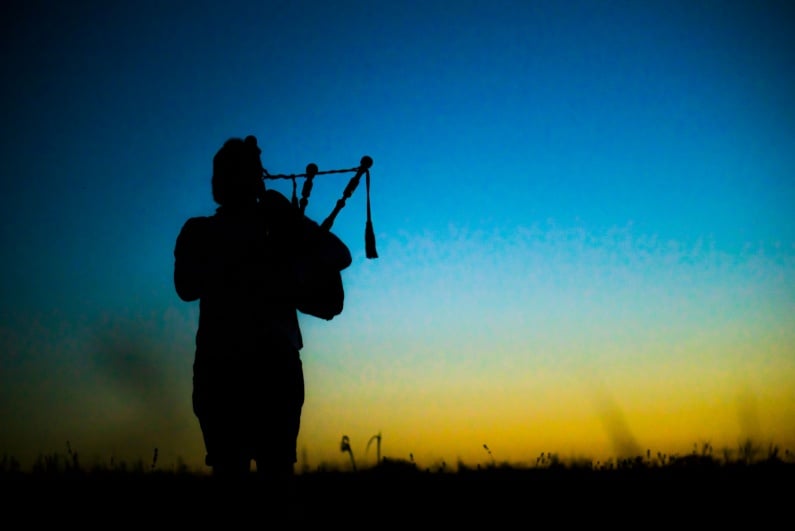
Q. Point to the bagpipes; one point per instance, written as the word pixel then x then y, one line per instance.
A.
pixel 320 290
pixel 363 169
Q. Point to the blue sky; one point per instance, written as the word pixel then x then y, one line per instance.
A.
pixel 567 196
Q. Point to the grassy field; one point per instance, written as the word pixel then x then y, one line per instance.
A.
pixel 698 487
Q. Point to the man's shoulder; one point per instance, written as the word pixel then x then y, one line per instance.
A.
pixel 197 222
pixel 196 227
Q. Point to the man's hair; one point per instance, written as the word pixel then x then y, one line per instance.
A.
pixel 237 171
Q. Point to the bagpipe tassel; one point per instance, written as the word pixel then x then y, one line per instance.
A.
pixel 369 241
pixel 369 234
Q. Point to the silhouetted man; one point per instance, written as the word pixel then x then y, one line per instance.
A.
pixel 243 265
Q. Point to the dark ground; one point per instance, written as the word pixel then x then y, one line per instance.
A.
pixel 704 494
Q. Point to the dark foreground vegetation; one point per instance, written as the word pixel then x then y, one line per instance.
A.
pixel 747 486
pixel 694 486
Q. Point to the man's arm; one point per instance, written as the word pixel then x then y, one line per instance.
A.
pixel 192 268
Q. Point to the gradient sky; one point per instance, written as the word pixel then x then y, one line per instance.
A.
pixel 583 213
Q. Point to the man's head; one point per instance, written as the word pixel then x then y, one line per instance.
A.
pixel 237 172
